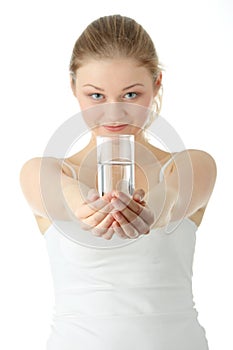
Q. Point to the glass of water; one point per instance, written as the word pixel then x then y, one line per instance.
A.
pixel 115 161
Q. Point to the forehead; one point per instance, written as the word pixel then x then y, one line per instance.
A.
pixel 122 69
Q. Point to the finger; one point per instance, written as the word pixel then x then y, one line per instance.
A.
pixel 92 195
pixel 108 235
pixel 96 218
pixel 119 230
pixel 135 220
pixel 144 212
pixel 138 195
pixel 89 209
pixel 104 225
pixel 128 229
pixel 127 201
pixel 130 209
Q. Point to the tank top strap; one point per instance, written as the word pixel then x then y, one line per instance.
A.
pixel 70 167
pixel 161 174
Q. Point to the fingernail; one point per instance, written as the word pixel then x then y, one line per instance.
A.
pixel 115 193
pixel 138 197
pixel 134 234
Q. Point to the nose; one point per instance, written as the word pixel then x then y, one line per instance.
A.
pixel 114 112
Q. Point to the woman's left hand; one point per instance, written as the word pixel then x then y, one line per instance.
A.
pixel 133 216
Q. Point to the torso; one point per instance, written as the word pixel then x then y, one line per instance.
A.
pixel 141 182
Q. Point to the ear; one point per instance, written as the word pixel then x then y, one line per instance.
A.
pixel 72 85
pixel 157 83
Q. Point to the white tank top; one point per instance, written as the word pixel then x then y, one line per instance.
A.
pixel 136 297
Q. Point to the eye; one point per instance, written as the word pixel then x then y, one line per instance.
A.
pixel 131 95
pixel 96 96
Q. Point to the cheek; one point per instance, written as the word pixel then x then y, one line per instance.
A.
pixel 147 100
pixel 92 115
pixel 82 99
pixel 84 103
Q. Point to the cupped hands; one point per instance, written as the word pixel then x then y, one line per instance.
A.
pixel 116 212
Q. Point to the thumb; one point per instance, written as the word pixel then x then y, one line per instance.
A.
pixel 92 195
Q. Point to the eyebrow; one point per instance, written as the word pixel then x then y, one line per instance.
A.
pixel 95 87
pixel 129 87
pixel 126 88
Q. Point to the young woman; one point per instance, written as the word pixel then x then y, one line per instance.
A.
pixel 139 295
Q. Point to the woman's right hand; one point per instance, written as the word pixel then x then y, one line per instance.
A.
pixel 95 214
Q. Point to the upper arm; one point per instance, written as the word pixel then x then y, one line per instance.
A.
pixel 193 175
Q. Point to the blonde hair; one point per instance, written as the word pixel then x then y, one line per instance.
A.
pixel 117 36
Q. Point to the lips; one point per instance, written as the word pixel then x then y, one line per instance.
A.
pixel 115 127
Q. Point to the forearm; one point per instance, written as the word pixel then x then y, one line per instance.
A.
pixel 74 193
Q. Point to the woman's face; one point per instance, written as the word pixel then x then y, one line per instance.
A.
pixel 118 88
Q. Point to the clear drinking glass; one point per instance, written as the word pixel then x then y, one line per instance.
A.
pixel 115 161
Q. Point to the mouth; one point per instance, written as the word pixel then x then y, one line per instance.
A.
pixel 115 127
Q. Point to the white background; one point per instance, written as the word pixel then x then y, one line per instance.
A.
pixel 194 42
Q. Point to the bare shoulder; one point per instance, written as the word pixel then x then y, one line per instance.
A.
pixel 194 157
pixel 29 177
pixel 30 181
pixel 205 173
pixel 30 174
pixel 195 168
pixel 34 164
pixel 29 165
pixel 202 155
pixel 201 161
